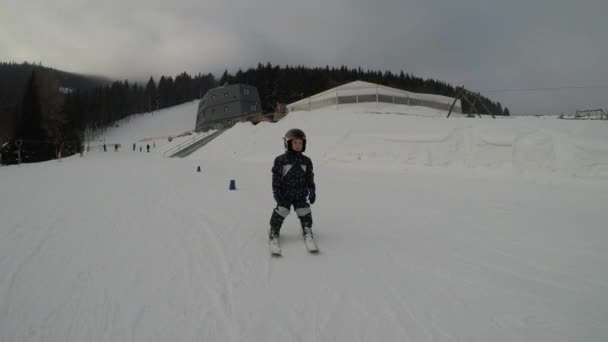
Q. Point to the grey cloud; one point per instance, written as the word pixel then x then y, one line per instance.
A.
pixel 484 45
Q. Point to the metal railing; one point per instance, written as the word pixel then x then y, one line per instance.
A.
pixel 186 143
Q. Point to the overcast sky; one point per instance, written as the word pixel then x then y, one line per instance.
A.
pixel 513 51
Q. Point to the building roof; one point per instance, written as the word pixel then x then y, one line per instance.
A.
pixel 366 88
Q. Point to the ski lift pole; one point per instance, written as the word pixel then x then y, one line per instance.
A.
pixel 18 144
pixel 457 96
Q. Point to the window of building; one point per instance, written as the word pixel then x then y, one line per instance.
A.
pixel 225 109
pixel 245 91
pixel 254 107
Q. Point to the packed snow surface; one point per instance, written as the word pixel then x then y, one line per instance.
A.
pixel 429 229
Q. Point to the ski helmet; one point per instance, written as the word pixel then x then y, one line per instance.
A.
pixel 294 133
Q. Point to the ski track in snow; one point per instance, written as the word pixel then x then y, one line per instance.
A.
pixel 129 247
pixel 215 276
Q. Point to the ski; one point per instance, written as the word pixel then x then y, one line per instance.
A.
pixel 275 249
pixel 311 246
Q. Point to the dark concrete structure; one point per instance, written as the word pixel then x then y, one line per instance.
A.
pixel 224 106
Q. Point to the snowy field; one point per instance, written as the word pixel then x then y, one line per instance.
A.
pixel 430 229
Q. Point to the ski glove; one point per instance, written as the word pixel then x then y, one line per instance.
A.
pixel 312 195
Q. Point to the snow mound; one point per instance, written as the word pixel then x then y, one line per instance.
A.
pixel 423 137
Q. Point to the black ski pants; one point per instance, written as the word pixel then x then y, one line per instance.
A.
pixel 282 210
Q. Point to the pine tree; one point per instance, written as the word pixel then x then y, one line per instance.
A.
pixel 54 118
pixel 29 125
pixel 224 78
pixel 150 96
pixel 30 130
pixel 163 93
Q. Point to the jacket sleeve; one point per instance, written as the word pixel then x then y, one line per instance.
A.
pixel 276 175
pixel 310 176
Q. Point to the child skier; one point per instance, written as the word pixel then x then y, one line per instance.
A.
pixel 292 183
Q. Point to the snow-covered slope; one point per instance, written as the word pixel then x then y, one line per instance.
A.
pixel 127 246
pixel 159 125
pixel 166 131
pixel 402 137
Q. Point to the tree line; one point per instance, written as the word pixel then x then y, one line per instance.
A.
pixel 97 109
pixel 14 78
pixel 49 110
pixel 289 84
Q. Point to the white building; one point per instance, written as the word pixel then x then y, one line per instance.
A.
pixel 359 92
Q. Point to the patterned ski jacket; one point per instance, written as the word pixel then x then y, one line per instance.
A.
pixel 292 175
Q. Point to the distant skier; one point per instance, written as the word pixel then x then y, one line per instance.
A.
pixel 105 149
pixel 148 147
pixel 292 182
pixel 133 146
